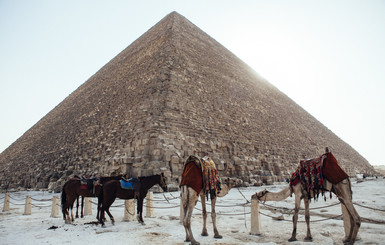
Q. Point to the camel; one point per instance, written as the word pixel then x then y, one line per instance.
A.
pixel 342 190
pixel 190 196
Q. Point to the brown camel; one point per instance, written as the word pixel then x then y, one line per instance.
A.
pixel 342 190
pixel 190 195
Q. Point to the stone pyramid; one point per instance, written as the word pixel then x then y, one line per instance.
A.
pixel 173 91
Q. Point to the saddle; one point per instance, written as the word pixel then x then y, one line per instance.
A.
pixel 313 172
pixel 89 184
pixel 201 175
pixel 211 181
pixel 130 184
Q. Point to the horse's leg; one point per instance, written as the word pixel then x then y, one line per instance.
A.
pixel 307 218
pixel 99 207
pixel 77 207
pixel 295 217
pixel 72 212
pixel 106 208
pixel 214 218
pixel 204 214
pixel 81 211
pixel 139 210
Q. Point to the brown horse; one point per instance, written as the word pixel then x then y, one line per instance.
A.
pixel 72 190
pixel 112 189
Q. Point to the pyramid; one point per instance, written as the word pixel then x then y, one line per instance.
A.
pixel 173 91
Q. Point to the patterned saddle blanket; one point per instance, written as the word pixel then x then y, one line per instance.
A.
pixel 130 184
pixel 211 179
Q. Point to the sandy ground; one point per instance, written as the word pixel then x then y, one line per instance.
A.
pixel 233 218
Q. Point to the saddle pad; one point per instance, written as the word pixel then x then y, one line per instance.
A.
pixel 192 177
pixel 126 185
pixel 130 184
pixel 83 185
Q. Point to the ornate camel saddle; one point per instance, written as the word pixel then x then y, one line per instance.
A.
pixel 201 174
pixel 312 173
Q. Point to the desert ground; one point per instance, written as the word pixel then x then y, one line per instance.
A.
pixel 233 220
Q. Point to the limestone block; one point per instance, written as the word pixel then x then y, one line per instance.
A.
pixel 174 159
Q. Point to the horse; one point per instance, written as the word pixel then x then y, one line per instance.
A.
pixel 72 190
pixel 112 189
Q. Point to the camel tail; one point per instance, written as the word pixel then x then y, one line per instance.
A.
pixel 184 195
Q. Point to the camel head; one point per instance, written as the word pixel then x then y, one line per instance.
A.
pixel 227 184
pixel 231 182
pixel 259 195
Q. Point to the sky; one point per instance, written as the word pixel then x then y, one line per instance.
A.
pixel 328 56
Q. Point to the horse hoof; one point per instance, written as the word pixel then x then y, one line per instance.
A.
pixel 308 239
pixel 292 239
pixel 218 236
pixel 204 233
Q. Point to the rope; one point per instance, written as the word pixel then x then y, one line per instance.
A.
pixel 15 199
pixel 270 206
pixel 243 196
pixel 144 205
pixel 381 210
pixel 17 204
pixel 41 206
pixel 41 200
pixel 334 217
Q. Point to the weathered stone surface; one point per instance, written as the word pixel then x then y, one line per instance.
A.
pixel 175 90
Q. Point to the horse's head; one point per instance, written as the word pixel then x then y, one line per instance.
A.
pixel 260 195
pixel 163 182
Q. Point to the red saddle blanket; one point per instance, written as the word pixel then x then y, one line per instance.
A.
pixel 192 176
pixel 201 174
pixel 332 171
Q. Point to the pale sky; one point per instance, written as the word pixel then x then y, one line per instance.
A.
pixel 327 55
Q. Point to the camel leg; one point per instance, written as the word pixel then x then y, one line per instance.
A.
pixel 343 193
pixel 189 201
pixel 204 214
pixel 295 217
pixel 307 218
pixel 214 218
pixel 347 222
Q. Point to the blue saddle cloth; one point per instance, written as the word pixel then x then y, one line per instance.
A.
pixel 131 184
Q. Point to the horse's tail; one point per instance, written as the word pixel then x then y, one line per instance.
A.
pixel 63 197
